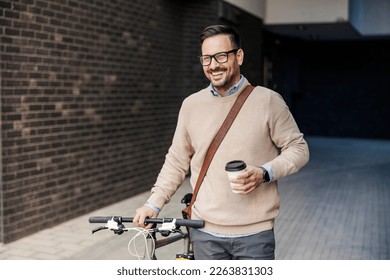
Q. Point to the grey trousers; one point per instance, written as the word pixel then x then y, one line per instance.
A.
pixel 260 246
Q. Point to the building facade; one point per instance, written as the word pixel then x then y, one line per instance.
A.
pixel 90 92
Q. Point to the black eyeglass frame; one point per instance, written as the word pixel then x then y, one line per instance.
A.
pixel 214 56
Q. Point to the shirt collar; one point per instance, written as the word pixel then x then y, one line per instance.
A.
pixel 232 90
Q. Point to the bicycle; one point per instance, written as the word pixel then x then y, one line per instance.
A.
pixel 170 231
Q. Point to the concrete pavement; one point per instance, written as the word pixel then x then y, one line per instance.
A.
pixel 337 207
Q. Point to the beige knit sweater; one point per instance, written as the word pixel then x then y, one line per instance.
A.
pixel 263 132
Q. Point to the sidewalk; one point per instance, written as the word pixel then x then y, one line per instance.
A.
pixel 337 207
pixel 74 239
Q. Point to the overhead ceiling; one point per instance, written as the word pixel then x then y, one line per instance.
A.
pixel 321 31
pixel 329 19
pixel 317 31
pixel 317 20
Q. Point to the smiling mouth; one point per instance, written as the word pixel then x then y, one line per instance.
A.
pixel 217 74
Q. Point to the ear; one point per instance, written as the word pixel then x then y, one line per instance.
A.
pixel 240 56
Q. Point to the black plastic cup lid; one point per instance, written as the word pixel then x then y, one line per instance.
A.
pixel 235 165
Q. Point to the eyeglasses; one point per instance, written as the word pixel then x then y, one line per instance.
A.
pixel 220 57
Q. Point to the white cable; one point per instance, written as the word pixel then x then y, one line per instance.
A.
pixel 143 234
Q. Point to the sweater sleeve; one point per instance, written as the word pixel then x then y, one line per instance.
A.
pixel 176 164
pixel 284 132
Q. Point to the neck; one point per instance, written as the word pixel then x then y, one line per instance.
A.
pixel 225 89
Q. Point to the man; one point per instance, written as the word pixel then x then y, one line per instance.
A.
pixel 264 135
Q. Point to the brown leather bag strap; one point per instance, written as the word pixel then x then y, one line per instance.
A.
pixel 219 137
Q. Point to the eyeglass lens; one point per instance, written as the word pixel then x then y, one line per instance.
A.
pixel 219 57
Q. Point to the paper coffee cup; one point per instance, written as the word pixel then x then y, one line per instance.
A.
pixel 233 169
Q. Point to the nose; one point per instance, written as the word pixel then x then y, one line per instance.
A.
pixel 214 63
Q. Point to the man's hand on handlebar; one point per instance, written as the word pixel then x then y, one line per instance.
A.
pixel 140 215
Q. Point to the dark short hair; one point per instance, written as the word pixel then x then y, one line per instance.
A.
pixel 214 30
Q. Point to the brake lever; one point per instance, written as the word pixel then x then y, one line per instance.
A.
pixel 98 229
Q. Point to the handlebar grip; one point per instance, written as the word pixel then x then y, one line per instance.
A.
pixel 105 219
pixel 190 223
pixel 179 222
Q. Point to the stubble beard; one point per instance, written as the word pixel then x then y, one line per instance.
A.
pixel 223 83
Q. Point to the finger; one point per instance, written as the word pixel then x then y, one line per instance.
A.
pixel 136 217
pixel 240 181
pixel 249 186
pixel 142 222
pixel 152 215
pixel 148 226
pixel 244 175
pixel 139 219
pixel 249 190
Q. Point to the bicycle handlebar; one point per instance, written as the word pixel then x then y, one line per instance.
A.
pixel 120 219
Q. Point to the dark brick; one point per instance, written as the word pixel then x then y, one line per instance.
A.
pixel 12 14
pixel 87 98
pixel 5 4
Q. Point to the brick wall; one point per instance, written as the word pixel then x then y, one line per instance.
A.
pixel 90 92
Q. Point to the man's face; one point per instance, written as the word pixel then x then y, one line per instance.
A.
pixel 222 75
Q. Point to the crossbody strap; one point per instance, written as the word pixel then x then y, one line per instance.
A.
pixel 219 137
